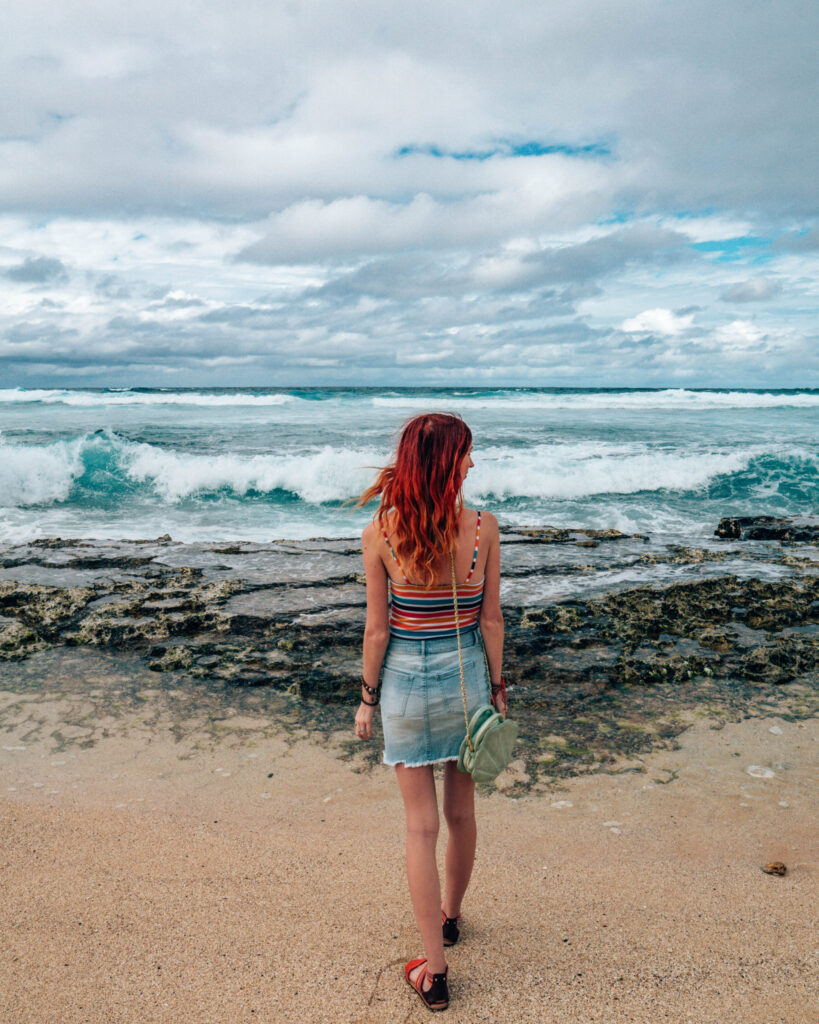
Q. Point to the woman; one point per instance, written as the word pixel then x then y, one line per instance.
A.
pixel 406 549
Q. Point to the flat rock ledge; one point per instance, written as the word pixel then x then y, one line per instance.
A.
pixel 591 680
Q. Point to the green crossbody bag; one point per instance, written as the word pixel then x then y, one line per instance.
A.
pixel 490 738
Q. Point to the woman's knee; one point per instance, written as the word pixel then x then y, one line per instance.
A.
pixel 422 827
pixel 460 815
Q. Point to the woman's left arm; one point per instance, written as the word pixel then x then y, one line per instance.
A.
pixel 376 631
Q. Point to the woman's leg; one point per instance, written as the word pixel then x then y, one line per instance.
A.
pixel 421 809
pixel 459 811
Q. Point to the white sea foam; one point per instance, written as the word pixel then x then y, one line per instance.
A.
pixel 668 398
pixel 578 470
pixel 96 398
pixel 34 475
pixel 330 474
pixel 326 475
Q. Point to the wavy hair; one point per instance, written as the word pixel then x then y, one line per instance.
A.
pixel 423 486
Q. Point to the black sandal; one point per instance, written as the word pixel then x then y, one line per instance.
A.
pixel 436 997
pixel 450 928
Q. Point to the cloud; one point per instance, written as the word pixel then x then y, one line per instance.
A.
pixel 740 337
pixel 314 231
pixel 798 241
pixel 37 270
pixel 657 321
pixel 175 301
pixel 192 113
pixel 755 290
pixel 339 192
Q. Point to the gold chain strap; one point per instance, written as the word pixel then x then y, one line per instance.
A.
pixel 460 655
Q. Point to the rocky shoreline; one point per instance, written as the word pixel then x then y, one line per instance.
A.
pixel 652 637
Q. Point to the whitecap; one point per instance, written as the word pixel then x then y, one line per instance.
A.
pixel 329 474
pixel 37 474
pixel 666 398
pixel 579 470
pixel 118 397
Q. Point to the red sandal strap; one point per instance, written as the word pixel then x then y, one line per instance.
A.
pixel 410 967
pixel 437 994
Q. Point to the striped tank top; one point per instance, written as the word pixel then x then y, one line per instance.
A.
pixel 420 614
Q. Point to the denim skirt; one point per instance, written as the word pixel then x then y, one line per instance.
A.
pixel 422 710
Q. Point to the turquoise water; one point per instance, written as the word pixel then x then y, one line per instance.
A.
pixel 267 464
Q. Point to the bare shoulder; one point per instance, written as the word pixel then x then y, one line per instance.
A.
pixel 371 540
pixel 489 524
pixel 371 549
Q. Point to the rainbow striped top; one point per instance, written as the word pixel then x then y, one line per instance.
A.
pixel 420 614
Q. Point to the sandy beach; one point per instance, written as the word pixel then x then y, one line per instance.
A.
pixel 154 878
pixel 190 832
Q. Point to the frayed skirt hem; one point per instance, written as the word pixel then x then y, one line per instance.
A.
pixel 419 764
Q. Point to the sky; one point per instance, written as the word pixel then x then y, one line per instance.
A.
pixel 593 193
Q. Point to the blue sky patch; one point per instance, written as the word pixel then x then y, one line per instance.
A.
pixel 507 149
pixel 747 248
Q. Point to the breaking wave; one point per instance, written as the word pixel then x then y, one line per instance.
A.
pixel 667 398
pixel 55 396
pixel 417 398
pixel 101 469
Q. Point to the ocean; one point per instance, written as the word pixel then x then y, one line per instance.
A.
pixel 265 464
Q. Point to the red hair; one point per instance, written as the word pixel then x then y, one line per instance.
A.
pixel 423 485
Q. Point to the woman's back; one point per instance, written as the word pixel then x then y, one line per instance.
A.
pixel 470 557
pixel 426 613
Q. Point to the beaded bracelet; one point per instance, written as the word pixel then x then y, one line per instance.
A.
pixel 500 688
pixel 373 691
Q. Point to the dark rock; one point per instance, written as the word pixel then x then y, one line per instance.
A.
pixel 558 535
pixel 609 534
pixel 683 556
pixel 768 528
pixel 173 658
pixel 16 640
pixel 43 608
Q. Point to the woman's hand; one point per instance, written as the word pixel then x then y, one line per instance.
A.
pixel 364 721
pixel 499 698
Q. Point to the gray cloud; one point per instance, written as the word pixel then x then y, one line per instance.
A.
pixel 37 270
pixel 178 302
pixel 798 241
pixel 111 285
pixel 578 268
pixel 757 289
pixel 192 111
pixel 617 250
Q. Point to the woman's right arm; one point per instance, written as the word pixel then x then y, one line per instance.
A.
pixel 376 631
pixel 491 617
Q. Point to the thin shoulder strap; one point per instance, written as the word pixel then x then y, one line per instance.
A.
pixel 475 553
pixel 395 557
pixel 460 652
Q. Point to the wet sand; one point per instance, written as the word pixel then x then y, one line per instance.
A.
pixel 159 876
